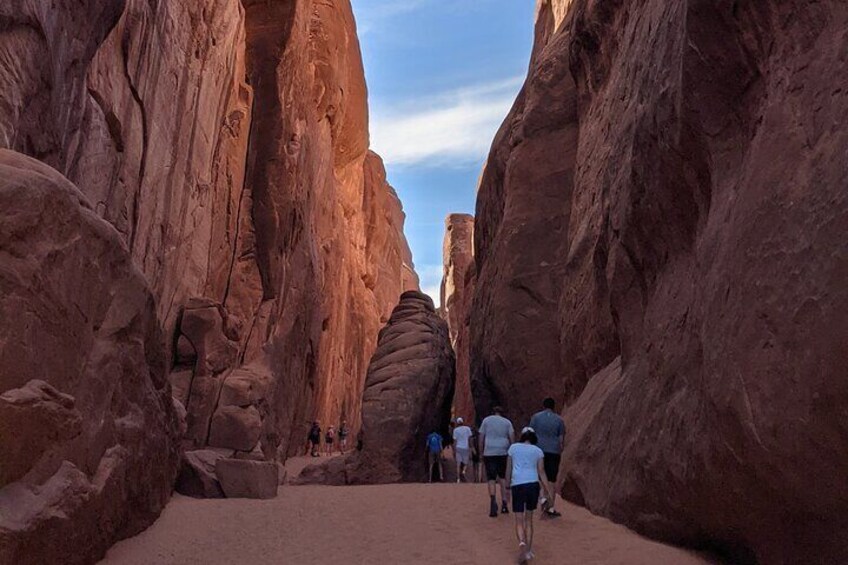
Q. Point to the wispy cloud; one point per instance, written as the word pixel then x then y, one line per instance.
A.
pixel 370 14
pixel 449 128
pixel 431 281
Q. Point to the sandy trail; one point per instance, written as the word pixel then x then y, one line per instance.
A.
pixel 410 524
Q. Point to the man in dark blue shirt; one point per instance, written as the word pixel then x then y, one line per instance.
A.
pixel 550 429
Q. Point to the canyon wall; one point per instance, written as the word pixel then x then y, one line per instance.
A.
pixel 227 144
pixel 660 244
pixel 456 293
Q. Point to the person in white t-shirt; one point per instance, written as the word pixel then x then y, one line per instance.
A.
pixel 462 449
pixel 525 471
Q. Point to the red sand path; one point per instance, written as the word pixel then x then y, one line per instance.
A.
pixel 388 524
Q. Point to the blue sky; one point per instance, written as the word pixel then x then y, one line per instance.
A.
pixel 442 75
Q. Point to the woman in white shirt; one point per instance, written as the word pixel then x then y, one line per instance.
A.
pixel 524 473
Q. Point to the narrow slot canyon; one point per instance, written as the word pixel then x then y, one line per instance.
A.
pixel 204 258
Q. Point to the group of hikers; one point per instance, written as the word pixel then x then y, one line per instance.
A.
pixel 330 436
pixel 526 471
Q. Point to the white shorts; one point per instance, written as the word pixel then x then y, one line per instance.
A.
pixel 463 455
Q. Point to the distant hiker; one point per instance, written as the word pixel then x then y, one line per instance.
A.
pixel 476 468
pixel 314 439
pixel 525 470
pixel 447 440
pixel 550 429
pixel 434 455
pixel 343 433
pixel 496 435
pixel 329 439
pixel 462 448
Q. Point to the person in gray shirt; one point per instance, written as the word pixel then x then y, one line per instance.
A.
pixel 496 435
pixel 550 429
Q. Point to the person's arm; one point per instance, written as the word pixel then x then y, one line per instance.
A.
pixel 540 469
pixel 561 436
pixel 508 478
pixel 511 434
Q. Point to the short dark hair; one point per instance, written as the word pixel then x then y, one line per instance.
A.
pixel 530 436
pixel 549 403
pixel 497 410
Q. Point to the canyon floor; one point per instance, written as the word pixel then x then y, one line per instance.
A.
pixel 398 523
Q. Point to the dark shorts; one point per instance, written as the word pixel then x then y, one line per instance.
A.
pixel 525 497
pixel 328 440
pixel 495 467
pixel 552 466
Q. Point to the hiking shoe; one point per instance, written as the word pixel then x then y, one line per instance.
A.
pixel 523 554
pixel 504 508
pixel 551 513
pixel 493 510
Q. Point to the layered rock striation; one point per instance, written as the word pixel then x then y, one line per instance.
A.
pixel 408 394
pixel 659 243
pixel 456 292
pixel 89 434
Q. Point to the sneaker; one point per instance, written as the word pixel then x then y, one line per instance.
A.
pixel 504 508
pixel 493 509
pixel 523 554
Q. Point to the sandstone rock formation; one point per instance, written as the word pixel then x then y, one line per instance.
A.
pixel 408 394
pixel 273 264
pixel 456 293
pixel 86 418
pixel 662 216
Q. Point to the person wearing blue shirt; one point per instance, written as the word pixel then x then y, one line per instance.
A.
pixel 550 429
pixel 434 455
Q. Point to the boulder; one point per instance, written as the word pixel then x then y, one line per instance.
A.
pixel 197 476
pixel 234 427
pixel 245 478
pixel 86 414
pixel 408 394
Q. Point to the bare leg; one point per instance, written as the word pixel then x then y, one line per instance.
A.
pixel 521 534
pixel 528 529
pixel 520 531
pixel 504 491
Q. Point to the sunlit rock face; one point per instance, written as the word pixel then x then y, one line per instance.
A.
pixel 456 292
pixel 660 244
pixel 227 145
pixel 89 434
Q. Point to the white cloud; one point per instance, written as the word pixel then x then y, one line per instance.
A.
pixel 449 128
pixel 371 14
pixel 431 281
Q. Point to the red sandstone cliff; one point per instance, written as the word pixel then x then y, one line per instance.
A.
pixel 226 143
pixel 660 243
pixel 456 293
